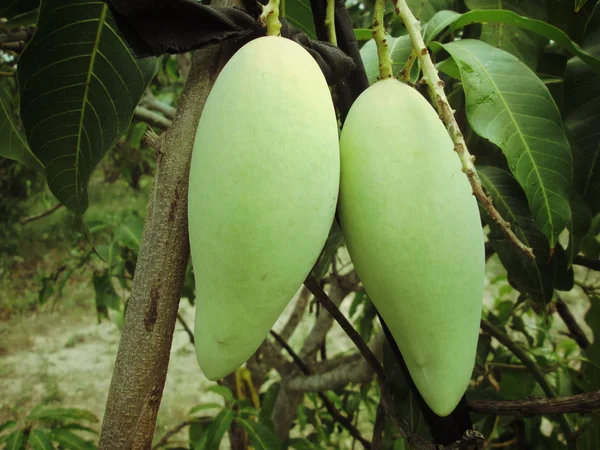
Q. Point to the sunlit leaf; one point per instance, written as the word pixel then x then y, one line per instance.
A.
pixel 509 105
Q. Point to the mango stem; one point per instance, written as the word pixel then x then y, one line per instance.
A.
pixel 385 62
pixel 270 17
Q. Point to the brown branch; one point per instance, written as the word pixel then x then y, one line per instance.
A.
pixel 186 327
pixel 297 314
pixel 575 330
pixel 335 413
pixel 593 264
pixel 176 429
pixel 17 36
pixel 332 309
pixel 144 350
pixel 150 117
pixel 42 215
pixel 586 403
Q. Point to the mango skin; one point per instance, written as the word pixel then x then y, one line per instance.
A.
pixel 413 231
pixel 263 190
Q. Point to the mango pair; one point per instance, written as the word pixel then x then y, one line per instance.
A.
pixel 264 184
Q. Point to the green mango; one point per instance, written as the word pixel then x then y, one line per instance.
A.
pixel 264 182
pixel 414 234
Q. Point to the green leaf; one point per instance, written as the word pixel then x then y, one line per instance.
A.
pixel 509 105
pixel 62 414
pixel 581 219
pixel 534 278
pixel 203 407
pixel 10 8
pixel 129 233
pixel 363 34
pixel 261 437
pixel 12 140
pixel 16 441
pixel 70 441
pixel 424 10
pixel 223 391
pixel 438 22
pixel 79 85
pixel 400 49
pixel 299 14
pixel 525 45
pixel 537 26
pixel 6 425
pixel 516 385
pixel 590 438
pixel 40 440
pixel 217 429
pixel 582 111
pixel 106 296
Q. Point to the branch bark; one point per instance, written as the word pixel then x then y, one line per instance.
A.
pixel 143 356
pixel 42 215
pixel 586 403
pixel 150 117
pixel 575 330
pixel 593 264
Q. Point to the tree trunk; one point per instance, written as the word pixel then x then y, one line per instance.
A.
pixel 143 357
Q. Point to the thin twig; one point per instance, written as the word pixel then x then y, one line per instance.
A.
pixel 535 371
pixel 176 429
pixel 186 327
pixel 383 54
pixel 575 330
pixel 330 21
pixel 42 215
pixel 586 403
pixel 407 69
pixel 379 426
pixel 270 18
pixel 430 74
pixel 335 413
pixel 362 346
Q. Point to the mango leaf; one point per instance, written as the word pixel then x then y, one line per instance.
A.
pixel 79 85
pixel 363 34
pixel 579 225
pixel 6 425
pixel 424 10
pixel 534 278
pixel 223 391
pixel 438 22
pixel 261 437
pixel 582 112
pixel 70 441
pixel 509 105
pixel 15 441
pixel 203 407
pixel 217 429
pixel 299 14
pixel 400 49
pixel 62 414
pixel 130 231
pixel 40 440
pixel 525 45
pixel 12 140
pixel 11 8
pixel 590 438
pixel 537 26
pixel 516 385
pixel 106 296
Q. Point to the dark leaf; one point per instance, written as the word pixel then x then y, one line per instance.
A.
pixel 106 296
pixel 217 429
pixel 70 441
pixel 11 8
pixel 79 85
pixel 62 414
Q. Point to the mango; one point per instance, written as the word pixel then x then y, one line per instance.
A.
pixel 413 232
pixel 263 189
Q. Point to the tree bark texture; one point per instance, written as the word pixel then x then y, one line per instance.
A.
pixel 143 356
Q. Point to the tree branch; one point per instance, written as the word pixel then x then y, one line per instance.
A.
pixel 144 351
pixel 150 117
pixel 297 314
pixel 593 264
pixel 535 371
pixel 42 215
pixel 430 74
pixel 176 429
pixel 332 309
pixel 586 403
pixel 574 329
pixel 186 327
pixel 335 413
